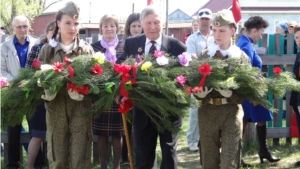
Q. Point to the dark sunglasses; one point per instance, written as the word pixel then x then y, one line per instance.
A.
pixel 205 12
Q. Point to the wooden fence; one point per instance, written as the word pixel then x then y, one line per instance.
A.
pixel 276 55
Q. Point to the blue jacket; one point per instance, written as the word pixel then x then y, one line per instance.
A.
pixel 255 113
pixel 245 43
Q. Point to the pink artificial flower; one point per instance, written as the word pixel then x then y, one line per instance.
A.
pixel 180 79
pixel 158 53
pixel 3 82
pixel 185 59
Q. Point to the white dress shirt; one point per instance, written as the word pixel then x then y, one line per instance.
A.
pixel 148 44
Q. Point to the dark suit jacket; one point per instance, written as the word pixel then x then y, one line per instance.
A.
pixel 294 94
pixel 136 45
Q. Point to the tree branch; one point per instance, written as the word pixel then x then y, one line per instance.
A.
pixel 51 4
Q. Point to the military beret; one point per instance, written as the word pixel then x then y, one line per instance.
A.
pixel 223 18
pixel 71 9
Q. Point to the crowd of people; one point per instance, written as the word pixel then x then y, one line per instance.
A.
pixel 221 119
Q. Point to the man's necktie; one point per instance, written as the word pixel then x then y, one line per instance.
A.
pixel 152 48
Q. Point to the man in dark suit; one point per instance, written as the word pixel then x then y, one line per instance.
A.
pixel 145 131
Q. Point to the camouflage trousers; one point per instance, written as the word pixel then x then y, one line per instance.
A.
pixel 69 134
pixel 220 127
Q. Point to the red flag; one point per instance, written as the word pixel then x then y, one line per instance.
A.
pixel 236 10
pixel 149 2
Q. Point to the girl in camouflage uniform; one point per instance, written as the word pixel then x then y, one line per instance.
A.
pixel 220 115
pixel 68 135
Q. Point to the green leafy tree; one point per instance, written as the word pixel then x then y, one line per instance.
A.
pixel 29 8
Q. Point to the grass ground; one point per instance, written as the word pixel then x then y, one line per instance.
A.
pixel 190 160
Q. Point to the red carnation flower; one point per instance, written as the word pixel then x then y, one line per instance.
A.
pixel 205 69
pixel 71 72
pixel 277 70
pixel 97 70
pixel 36 64
pixel 126 105
pixel 188 90
pixel 122 68
pixel 197 89
pixel 83 90
pixel 71 86
pixel 67 60
pixel 58 67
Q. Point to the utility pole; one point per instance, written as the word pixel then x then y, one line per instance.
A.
pixel 90 12
pixel 167 17
pixel 132 7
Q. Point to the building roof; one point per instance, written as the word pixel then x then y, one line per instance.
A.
pixel 216 5
pixel 179 16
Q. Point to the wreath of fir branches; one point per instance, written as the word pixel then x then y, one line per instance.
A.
pixel 153 91
pixel 157 85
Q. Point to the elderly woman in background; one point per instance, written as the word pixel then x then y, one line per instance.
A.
pixel 282 28
pixel 110 121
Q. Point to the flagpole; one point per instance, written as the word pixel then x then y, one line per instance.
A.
pixel 132 7
pixel 127 141
pixel 167 17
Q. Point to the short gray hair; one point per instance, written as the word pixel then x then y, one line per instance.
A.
pixel 20 17
pixel 152 9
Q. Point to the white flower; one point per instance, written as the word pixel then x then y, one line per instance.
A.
pixel 212 49
pixel 162 60
pixel 53 42
pixel 234 52
pixel 46 67
pixel 81 43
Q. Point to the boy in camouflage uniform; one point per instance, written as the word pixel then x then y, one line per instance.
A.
pixel 69 135
pixel 220 115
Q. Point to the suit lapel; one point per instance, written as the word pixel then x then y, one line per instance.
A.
pixel 165 45
pixel 141 45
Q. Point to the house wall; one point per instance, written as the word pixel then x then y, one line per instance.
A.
pixel 179 33
pixel 272 19
pixel 40 23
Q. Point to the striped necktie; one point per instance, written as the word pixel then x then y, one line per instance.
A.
pixel 152 48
